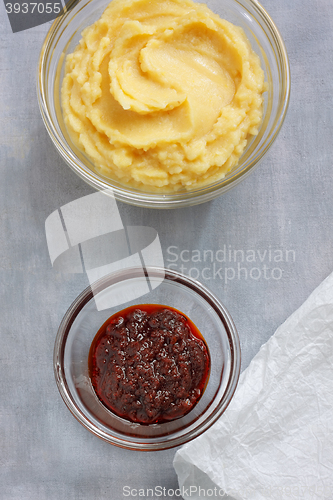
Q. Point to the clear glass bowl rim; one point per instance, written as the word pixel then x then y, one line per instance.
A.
pixel 153 200
pixel 113 278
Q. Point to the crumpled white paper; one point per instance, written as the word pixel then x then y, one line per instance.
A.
pixel 275 441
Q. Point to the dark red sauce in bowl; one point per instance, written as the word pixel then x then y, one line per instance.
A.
pixel 149 364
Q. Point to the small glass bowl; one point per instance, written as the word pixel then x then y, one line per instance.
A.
pixel 81 323
pixel 266 41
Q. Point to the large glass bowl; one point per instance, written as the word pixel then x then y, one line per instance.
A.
pixel 266 41
pixel 81 323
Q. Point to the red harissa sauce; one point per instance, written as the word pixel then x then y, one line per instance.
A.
pixel 149 364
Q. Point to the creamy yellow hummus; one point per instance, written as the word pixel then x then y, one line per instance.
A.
pixel 162 95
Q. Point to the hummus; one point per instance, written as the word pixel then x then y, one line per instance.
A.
pixel 162 95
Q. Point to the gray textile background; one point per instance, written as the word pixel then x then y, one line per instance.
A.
pixel 284 209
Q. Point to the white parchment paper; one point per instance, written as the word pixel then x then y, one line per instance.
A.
pixel 275 441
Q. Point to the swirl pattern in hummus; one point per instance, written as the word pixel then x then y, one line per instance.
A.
pixel 162 95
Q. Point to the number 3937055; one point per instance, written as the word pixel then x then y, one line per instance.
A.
pixel 33 8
